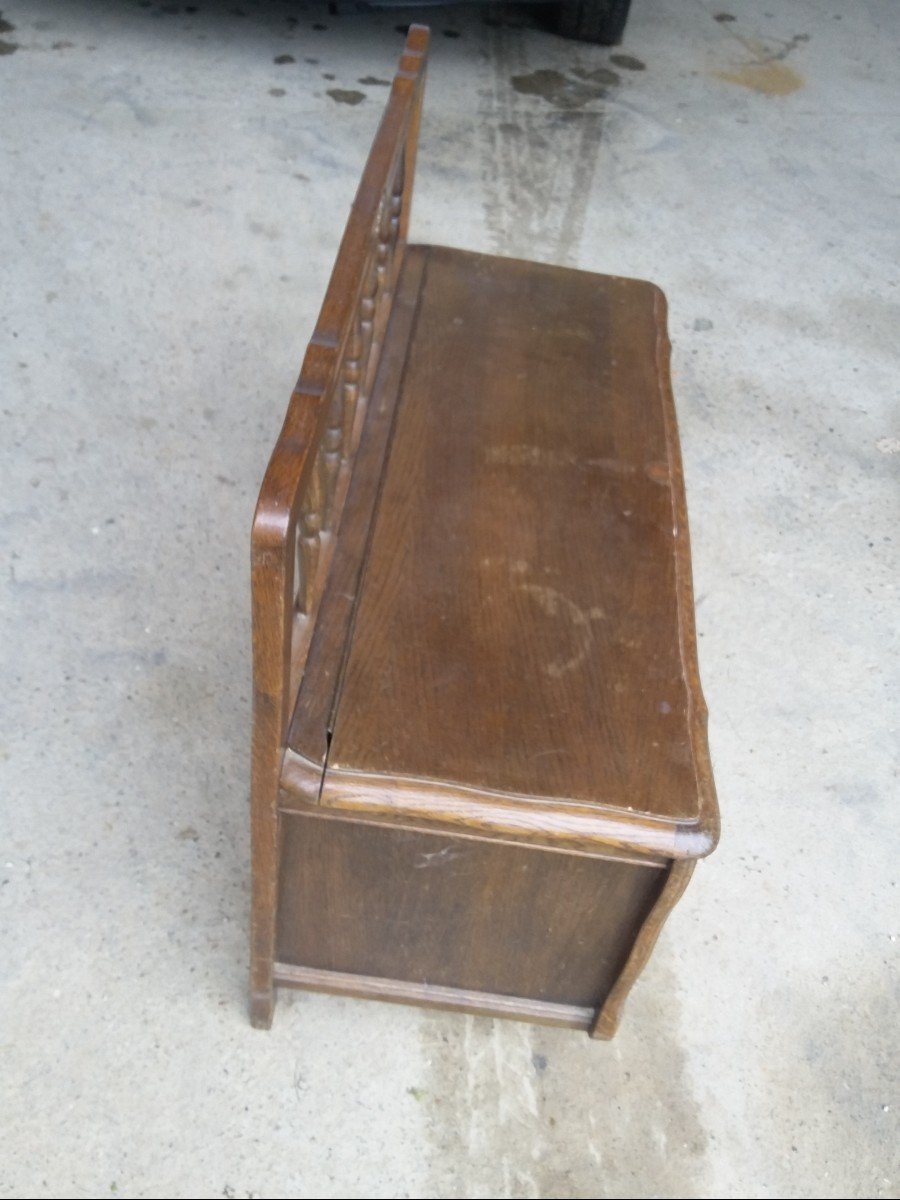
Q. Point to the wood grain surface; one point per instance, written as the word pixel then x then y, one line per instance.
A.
pixel 519 629
pixel 425 908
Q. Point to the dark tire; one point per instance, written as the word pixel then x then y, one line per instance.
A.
pixel 600 21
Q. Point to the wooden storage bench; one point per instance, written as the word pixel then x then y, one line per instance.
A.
pixel 480 770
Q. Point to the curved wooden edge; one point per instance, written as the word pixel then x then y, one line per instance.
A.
pixel 684 587
pixel 539 816
pixel 296 799
pixel 288 477
pixel 610 1012
pixel 300 781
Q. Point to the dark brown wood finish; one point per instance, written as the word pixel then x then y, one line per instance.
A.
pixel 540 669
pixel 312 717
pixel 298 511
pixel 427 908
pixel 609 1009
pixel 481 774
pixel 483 1004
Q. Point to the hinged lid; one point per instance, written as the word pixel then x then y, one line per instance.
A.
pixel 511 646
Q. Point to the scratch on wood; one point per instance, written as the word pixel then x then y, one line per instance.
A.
pixel 437 858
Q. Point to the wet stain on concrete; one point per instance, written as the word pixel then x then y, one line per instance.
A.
pixel 601 75
pixel 766 72
pixel 7 27
pixel 372 81
pixel 505 1119
pixel 346 96
pixel 538 160
pixel 276 92
pixel 723 18
pixel 769 79
pixel 627 62
pixel 574 90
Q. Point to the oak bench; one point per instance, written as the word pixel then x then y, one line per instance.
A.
pixel 480 769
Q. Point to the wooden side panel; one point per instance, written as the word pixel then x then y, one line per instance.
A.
pixel 455 913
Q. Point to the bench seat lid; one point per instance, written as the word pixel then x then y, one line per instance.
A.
pixel 520 656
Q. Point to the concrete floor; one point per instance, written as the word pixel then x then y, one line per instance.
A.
pixel 173 197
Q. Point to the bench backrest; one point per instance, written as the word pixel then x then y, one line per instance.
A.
pixel 307 476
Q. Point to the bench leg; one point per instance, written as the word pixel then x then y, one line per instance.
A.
pixel 610 1011
pixel 262 945
pixel 264 900
pixel 262 1008
pixel 262 950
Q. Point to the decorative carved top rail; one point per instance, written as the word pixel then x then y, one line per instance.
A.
pixel 349 390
